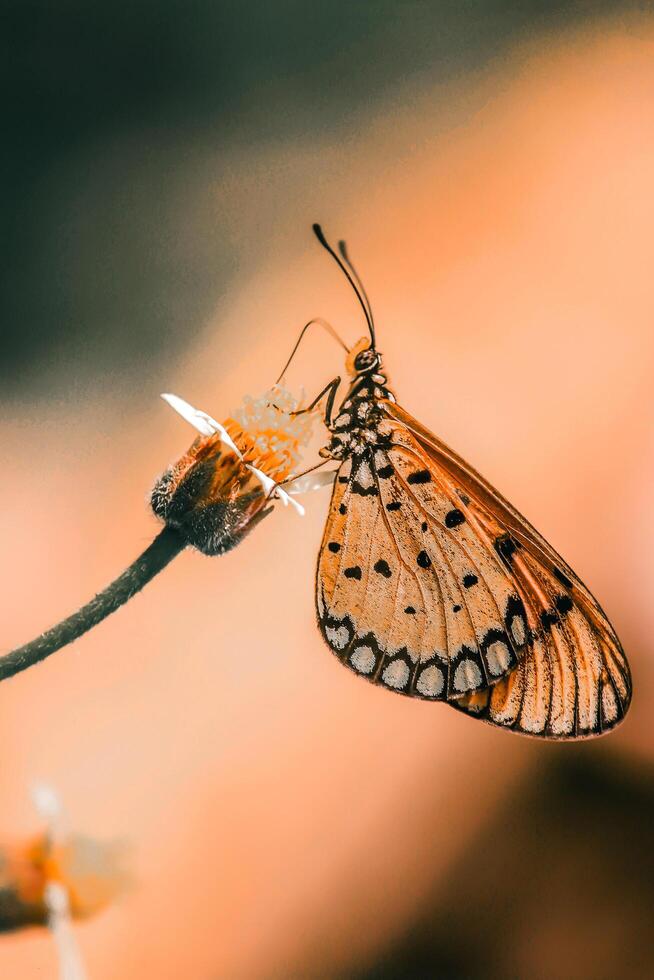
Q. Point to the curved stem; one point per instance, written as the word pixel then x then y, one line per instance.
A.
pixel 166 546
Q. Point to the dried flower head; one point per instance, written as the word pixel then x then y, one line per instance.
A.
pixel 223 485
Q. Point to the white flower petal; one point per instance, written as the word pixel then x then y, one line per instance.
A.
pixel 266 482
pixel 189 414
pixel 294 503
pixel 50 810
pixel 273 490
pixel 46 801
pixel 205 424
pixel 61 926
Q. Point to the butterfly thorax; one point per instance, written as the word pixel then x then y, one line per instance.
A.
pixel 359 425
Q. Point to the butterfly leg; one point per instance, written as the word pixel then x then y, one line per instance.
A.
pixel 329 390
pixel 298 482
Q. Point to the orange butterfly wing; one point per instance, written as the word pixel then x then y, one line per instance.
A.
pixel 409 593
pixel 574 679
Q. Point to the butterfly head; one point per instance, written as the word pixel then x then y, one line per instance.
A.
pixel 362 359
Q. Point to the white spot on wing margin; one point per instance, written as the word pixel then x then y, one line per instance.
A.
pixel 396 674
pixel 498 657
pixel 363 658
pixel 431 681
pixel 467 676
pixel 338 636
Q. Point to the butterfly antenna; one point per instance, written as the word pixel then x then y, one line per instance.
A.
pixel 318 232
pixel 342 247
pixel 326 326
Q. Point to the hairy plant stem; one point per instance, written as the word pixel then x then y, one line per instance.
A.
pixel 166 546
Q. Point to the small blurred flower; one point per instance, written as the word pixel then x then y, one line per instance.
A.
pixel 92 872
pixel 58 877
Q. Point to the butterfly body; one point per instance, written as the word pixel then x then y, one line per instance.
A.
pixel 358 427
pixel 430 584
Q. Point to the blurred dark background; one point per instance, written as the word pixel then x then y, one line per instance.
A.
pixel 109 251
pixel 559 884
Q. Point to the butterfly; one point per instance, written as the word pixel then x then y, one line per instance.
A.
pixel 430 583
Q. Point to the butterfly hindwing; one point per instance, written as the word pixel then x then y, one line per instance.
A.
pixel 572 681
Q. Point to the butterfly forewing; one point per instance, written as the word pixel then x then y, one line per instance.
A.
pixel 573 680
pixel 409 591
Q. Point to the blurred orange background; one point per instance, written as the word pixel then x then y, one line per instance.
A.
pixel 288 821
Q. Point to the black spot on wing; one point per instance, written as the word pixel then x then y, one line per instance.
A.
pixel 371 491
pixel 385 472
pixel 342 509
pixel 423 559
pixel 454 517
pixel 548 619
pixel 506 547
pixel 419 476
pixel 424 526
pixel 457 608
pixel 353 572
pixel 410 611
pixel 563 603
pixel 343 479
pixel 382 568
pixel 469 580
pixel 334 547
pixel 393 505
